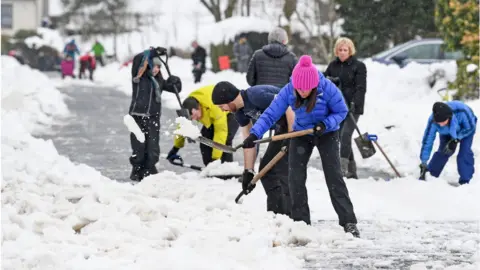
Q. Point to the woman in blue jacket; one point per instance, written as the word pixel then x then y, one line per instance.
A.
pixel 317 104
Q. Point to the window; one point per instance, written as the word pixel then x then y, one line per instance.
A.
pixel 423 51
pixel 7 16
pixel 453 55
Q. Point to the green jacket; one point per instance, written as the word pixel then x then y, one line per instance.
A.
pixel 98 49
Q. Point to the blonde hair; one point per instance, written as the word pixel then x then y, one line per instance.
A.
pixel 344 41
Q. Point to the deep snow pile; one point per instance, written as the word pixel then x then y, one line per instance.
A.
pixel 29 97
pixel 187 221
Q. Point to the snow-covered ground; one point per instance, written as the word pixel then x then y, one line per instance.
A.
pixel 184 221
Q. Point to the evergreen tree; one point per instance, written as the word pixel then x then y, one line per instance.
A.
pixel 373 24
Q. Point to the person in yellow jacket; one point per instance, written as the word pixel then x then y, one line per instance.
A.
pixel 218 125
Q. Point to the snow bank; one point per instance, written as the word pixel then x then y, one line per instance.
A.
pixel 58 215
pixel 29 97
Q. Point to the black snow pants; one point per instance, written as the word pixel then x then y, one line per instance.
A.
pixel 299 154
pixel 208 133
pixel 145 155
pixel 347 127
pixel 275 181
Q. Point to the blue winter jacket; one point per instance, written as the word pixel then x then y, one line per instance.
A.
pixel 330 109
pixel 70 49
pixel 256 100
pixel 462 124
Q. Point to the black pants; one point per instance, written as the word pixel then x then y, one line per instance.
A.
pixel 347 128
pixel 197 75
pixel 206 151
pixel 275 181
pixel 145 155
pixel 83 67
pixel 99 59
pixel 299 154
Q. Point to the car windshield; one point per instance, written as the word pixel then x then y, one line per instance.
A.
pixel 389 51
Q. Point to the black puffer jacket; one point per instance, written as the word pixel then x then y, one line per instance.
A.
pixel 272 65
pixel 353 80
pixel 143 95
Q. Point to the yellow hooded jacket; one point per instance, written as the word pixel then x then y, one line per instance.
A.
pixel 211 115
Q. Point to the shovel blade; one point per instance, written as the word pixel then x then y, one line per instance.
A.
pixel 365 146
pixel 219 146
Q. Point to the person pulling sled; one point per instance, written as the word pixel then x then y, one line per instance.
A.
pixel 456 123
pixel 145 108
pixel 318 105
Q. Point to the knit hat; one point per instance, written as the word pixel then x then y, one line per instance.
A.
pixel 224 92
pixel 441 112
pixel 305 75
pixel 156 61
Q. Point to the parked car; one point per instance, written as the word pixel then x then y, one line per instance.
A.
pixel 423 51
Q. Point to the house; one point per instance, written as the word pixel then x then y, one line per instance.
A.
pixel 22 15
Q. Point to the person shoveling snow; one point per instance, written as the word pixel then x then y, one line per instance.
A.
pixel 145 109
pixel 218 126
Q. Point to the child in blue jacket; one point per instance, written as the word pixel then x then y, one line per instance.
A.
pixel 456 123
pixel 317 104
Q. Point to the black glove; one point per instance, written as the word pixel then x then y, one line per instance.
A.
pixel 450 147
pixel 286 143
pixel 249 141
pixel 172 155
pixel 334 80
pixel 174 80
pixel 352 107
pixel 319 129
pixel 247 177
pixel 423 171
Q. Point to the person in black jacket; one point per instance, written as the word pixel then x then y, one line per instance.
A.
pixel 199 56
pixel 274 63
pixel 145 108
pixel 350 75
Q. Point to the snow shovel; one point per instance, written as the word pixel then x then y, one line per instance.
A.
pixel 179 162
pixel 261 173
pixel 231 149
pixel 374 138
pixel 165 63
pixel 365 146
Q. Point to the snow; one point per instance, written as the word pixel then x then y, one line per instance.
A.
pixel 227 29
pixel 219 168
pixel 186 128
pixel 59 215
pixel 471 68
pixel 133 127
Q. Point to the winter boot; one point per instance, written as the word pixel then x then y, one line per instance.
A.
pixel 344 162
pixel 150 171
pixel 351 228
pixel 352 170
pixel 137 173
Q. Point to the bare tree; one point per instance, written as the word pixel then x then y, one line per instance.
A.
pixel 214 6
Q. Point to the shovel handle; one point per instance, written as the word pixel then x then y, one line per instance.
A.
pixel 265 169
pixel 355 124
pixel 285 136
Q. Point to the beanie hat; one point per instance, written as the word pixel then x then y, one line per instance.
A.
pixel 156 61
pixel 305 75
pixel 224 92
pixel 441 112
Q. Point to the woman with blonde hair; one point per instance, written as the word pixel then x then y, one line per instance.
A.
pixel 350 75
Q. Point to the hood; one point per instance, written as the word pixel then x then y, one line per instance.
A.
pixel 275 50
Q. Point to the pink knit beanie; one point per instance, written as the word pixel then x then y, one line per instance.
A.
pixel 305 75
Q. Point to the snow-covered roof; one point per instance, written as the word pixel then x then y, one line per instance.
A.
pixel 226 30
